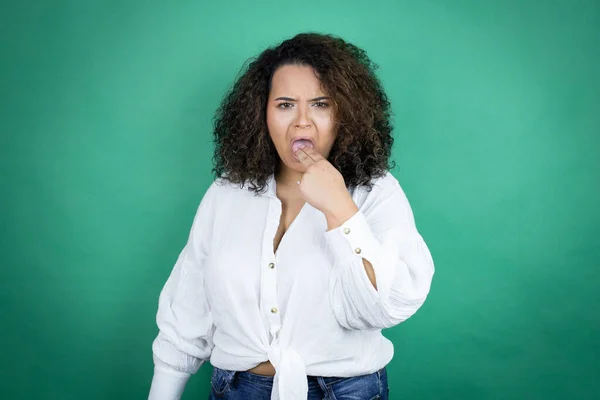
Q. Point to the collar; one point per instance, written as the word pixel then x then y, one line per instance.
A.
pixel 271 186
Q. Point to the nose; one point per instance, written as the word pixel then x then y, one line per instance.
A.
pixel 302 119
pixel 301 126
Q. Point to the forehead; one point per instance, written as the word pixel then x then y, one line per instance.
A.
pixel 296 80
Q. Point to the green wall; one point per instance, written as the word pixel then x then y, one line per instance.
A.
pixel 105 146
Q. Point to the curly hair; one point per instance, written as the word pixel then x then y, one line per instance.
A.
pixel 244 152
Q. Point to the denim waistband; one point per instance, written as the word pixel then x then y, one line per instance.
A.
pixel 263 380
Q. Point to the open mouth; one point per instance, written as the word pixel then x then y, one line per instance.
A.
pixel 300 144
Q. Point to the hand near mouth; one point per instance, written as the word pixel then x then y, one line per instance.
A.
pixel 323 187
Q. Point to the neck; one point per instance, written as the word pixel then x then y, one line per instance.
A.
pixel 287 182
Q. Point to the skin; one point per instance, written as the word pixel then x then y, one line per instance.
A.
pixel 298 106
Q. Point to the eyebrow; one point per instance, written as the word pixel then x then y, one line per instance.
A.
pixel 290 99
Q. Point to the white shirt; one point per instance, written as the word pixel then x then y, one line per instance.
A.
pixel 309 308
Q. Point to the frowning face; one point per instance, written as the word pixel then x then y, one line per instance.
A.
pixel 299 114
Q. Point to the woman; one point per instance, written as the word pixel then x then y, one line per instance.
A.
pixel 304 247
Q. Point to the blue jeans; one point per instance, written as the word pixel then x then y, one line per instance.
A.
pixel 236 385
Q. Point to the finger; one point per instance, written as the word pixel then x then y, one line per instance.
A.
pixel 304 158
pixel 313 154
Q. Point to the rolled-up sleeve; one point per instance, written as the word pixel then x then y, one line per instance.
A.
pixel 383 232
pixel 184 340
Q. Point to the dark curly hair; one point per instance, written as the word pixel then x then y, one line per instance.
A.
pixel 244 152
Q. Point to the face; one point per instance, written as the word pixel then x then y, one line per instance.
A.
pixel 298 108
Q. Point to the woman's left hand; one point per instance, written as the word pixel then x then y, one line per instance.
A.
pixel 323 187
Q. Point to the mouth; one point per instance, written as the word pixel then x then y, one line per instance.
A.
pixel 300 143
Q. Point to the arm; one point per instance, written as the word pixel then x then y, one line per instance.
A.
pixel 184 320
pixel 336 219
pixel 382 266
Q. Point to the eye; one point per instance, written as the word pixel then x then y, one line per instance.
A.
pixel 284 105
pixel 321 104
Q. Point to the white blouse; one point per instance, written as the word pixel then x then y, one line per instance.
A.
pixel 309 308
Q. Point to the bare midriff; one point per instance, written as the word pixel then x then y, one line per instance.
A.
pixel 264 368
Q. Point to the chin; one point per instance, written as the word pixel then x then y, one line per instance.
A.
pixel 297 168
pixel 294 165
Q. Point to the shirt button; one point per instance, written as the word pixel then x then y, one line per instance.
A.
pixel 274 310
pixel 357 250
pixel 271 265
pixel 346 230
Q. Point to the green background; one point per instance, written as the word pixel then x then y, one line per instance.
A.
pixel 105 147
